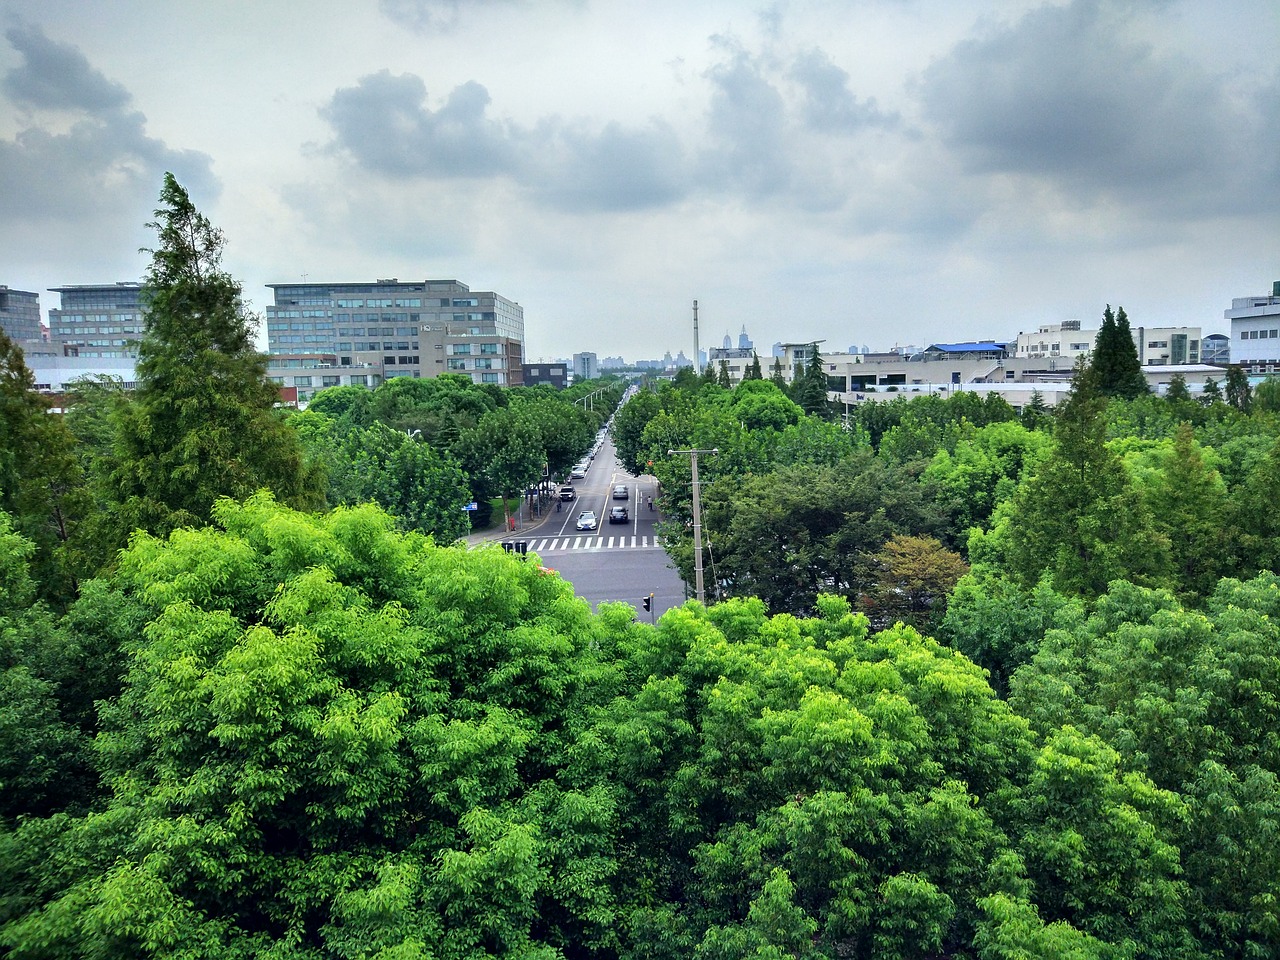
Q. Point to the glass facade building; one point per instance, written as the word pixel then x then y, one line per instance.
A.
pixel 20 314
pixel 98 321
pixel 367 332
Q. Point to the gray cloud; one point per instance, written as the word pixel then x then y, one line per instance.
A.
pixel 57 76
pixel 746 123
pixel 384 124
pixel 1067 96
pixel 829 105
pixel 439 15
pixel 615 169
pixel 103 162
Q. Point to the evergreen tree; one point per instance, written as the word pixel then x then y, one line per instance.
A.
pixel 776 374
pixel 753 371
pixel 1239 394
pixel 1178 392
pixel 710 375
pixel 203 424
pixel 1079 519
pixel 40 478
pixel 1212 393
pixel 1036 413
pixel 1117 370
pixel 722 377
pixel 810 389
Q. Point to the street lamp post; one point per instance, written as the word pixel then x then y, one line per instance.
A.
pixel 697 517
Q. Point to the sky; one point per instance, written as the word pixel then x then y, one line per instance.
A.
pixel 862 172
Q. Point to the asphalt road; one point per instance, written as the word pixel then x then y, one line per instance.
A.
pixel 599 575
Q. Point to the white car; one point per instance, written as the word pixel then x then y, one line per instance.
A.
pixel 587 520
pixel 578 473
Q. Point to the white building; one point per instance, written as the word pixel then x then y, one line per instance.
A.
pixel 1255 331
pixel 1068 340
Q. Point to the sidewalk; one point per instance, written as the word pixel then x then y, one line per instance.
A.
pixel 526 526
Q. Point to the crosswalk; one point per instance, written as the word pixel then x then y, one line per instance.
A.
pixel 602 541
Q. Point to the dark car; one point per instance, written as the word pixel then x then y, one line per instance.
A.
pixel 567 492
pixel 619 515
pixel 620 492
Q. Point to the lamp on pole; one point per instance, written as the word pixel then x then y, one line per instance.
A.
pixel 697 517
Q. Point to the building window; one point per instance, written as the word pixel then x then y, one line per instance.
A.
pixel 490 348
pixel 359 380
pixel 302 381
pixel 490 378
pixel 462 349
pixel 457 364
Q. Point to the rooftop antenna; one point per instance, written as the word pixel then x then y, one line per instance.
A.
pixel 695 338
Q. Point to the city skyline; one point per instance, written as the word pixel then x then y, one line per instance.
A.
pixel 867 173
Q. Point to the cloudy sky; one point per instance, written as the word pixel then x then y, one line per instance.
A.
pixel 877 172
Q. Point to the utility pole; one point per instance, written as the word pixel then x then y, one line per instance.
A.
pixel 697 517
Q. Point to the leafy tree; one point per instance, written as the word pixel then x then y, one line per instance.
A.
pixel 915 576
pixel 424 490
pixel 202 424
pixel 1178 392
pixel 628 428
pixel 789 535
pixel 1266 396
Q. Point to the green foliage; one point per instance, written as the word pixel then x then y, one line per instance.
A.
pixel 1114 362
pixel 41 480
pixel 1079 519
pixel 202 424
pixel 1238 393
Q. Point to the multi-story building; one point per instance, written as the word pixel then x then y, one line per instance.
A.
pixel 369 332
pixel 1060 344
pixel 1255 331
pixel 586 366
pixel 20 314
pixel 98 321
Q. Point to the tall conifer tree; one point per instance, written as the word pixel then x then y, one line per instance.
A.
pixel 203 424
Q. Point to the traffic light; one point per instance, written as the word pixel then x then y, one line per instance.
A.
pixel 648 602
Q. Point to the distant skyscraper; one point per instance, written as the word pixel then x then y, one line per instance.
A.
pixel 19 314
pixel 744 342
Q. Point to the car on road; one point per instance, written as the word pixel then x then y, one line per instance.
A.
pixel 578 473
pixel 619 515
pixel 620 492
pixel 567 492
pixel 587 520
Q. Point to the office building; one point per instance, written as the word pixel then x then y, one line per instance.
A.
pixel 20 314
pixel 365 333
pixel 586 366
pixel 98 321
